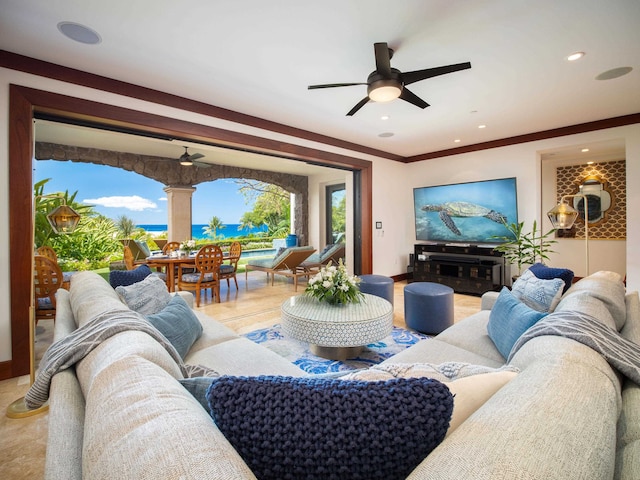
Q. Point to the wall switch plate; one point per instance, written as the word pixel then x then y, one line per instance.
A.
pixel 378 225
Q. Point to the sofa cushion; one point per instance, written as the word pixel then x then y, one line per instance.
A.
pixel 178 324
pixel 286 427
pixel 606 287
pixel 146 297
pixel 541 295
pixel 547 273
pixel 508 320
pixel 128 277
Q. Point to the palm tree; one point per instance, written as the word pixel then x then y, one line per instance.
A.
pixel 215 224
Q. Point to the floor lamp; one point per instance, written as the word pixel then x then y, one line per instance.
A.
pixel 563 216
pixel 63 220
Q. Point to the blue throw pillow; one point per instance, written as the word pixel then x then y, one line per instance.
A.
pixel 124 278
pixel 547 273
pixel 288 427
pixel 178 324
pixel 508 320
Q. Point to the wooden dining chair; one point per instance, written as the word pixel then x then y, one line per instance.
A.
pixel 228 270
pixel 207 274
pixel 47 279
pixel 50 253
pixel 170 247
pixel 47 251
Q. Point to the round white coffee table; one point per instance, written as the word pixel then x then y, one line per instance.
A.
pixel 337 332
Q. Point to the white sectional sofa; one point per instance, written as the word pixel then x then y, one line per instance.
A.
pixel 121 412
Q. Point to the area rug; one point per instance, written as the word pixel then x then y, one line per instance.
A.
pixel 297 352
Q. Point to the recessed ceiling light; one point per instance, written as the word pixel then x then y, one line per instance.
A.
pixel 79 33
pixel 482 126
pixel 614 73
pixel 457 140
pixel 590 163
pixel 385 117
pixel 584 150
pixel 386 134
pixel 575 56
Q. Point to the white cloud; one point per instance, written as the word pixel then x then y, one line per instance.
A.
pixel 132 202
pixel 162 199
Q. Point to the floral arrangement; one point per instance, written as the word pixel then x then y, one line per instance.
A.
pixel 332 284
pixel 188 245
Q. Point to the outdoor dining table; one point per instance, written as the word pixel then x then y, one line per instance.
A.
pixel 170 263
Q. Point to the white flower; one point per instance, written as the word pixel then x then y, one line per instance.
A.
pixel 334 285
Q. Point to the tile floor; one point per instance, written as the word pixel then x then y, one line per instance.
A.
pixel 256 304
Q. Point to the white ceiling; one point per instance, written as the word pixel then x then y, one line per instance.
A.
pixel 258 57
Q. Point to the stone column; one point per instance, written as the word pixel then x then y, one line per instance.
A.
pixel 179 213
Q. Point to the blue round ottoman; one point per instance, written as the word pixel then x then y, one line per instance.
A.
pixel 377 285
pixel 428 307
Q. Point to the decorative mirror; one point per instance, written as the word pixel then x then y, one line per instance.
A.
pixel 598 198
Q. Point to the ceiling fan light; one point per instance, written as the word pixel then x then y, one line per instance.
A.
pixel 385 93
pixel 185 162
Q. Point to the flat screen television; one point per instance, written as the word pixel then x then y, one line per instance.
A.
pixel 465 213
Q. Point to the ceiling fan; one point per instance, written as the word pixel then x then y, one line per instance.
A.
pixel 387 83
pixel 188 160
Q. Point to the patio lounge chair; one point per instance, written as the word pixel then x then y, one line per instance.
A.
pixel 331 253
pixel 287 264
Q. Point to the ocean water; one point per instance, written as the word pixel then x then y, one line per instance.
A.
pixel 197 231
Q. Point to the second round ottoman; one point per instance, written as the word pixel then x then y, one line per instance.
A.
pixel 377 285
pixel 428 307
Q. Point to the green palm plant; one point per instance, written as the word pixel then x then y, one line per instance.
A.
pixel 215 224
pixel 525 248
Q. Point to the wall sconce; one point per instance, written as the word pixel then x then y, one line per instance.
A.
pixel 563 215
pixel 63 220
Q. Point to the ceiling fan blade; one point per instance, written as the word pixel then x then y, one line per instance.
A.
pixel 383 58
pixel 358 106
pixel 411 77
pixel 332 85
pixel 202 164
pixel 412 98
pixel 195 156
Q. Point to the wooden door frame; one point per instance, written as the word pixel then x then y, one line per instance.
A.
pixel 25 103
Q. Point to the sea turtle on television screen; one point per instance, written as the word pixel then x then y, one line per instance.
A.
pixel 463 209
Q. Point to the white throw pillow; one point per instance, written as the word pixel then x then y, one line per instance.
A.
pixel 146 297
pixel 471 385
pixel 536 293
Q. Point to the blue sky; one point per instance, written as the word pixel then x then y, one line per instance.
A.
pixel 116 192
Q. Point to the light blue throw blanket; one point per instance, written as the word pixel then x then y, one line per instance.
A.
pixel 622 354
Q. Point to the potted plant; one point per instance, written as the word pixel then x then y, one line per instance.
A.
pixel 525 248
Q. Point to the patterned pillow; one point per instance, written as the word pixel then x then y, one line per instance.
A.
pixel 286 427
pixel 541 295
pixel 508 320
pixel 547 273
pixel 178 324
pixel 128 277
pixel 146 297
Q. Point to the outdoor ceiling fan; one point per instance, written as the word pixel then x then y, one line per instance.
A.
pixel 386 83
pixel 188 160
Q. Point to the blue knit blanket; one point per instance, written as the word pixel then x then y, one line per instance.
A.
pixel 622 354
